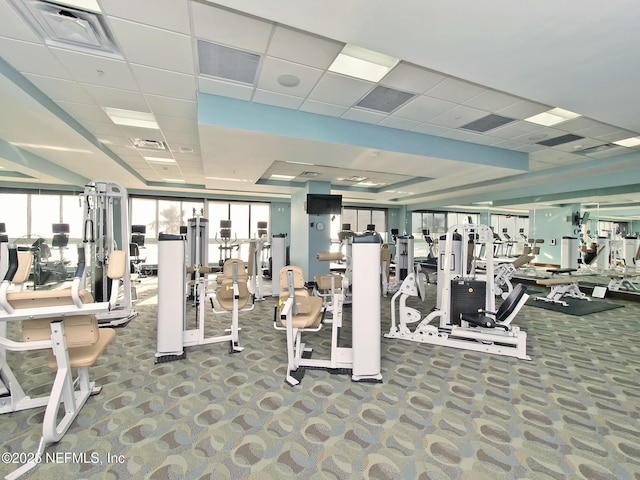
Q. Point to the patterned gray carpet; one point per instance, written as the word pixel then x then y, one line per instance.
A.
pixel 570 413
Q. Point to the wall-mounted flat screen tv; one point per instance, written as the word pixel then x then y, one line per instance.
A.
pixel 318 204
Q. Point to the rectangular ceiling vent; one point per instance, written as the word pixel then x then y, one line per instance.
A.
pixel 384 99
pixel 142 144
pixel 602 151
pixel 310 174
pixel 354 178
pixel 70 27
pixel 227 63
pixel 487 123
pixel 552 142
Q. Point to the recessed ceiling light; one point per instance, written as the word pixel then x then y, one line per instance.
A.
pixel 277 176
pixel 131 118
pixel 355 178
pixel 552 117
pixel 366 184
pixel 159 160
pixel 361 63
pixel 299 163
pixel 224 179
pixel 628 142
pixel 185 150
pixel 173 180
pixel 288 80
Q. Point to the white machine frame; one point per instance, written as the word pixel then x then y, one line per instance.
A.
pixel 507 341
pixel 104 233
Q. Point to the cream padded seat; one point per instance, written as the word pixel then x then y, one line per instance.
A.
pixel 308 308
pixel 224 292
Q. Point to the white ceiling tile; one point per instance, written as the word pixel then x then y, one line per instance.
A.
pixel 423 108
pixel 529 148
pixel 340 90
pixel 491 101
pixel 508 145
pixel 322 108
pixel 454 90
pixel 304 48
pixel 576 124
pixel 429 129
pixel 177 124
pixel 172 107
pixel 103 128
pixel 160 48
pixel 125 150
pixel 411 78
pixel 96 69
pixel 229 28
pixel 277 99
pixel 272 68
pixel 400 123
pixel 61 90
pixel 137 132
pixel 514 129
pixel 181 138
pixel 617 135
pixel 167 14
pixel 542 133
pixel 13 26
pixel 84 113
pixel 523 109
pixel 457 116
pixel 365 116
pixel 30 57
pixel 597 130
pixel 180 149
pixel 117 98
pixel 225 89
pixel 165 83
pixel 109 140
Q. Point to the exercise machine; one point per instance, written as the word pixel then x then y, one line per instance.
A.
pixel 505 271
pixel 4 250
pixel 106 229
pixel 63 322
pixel 432 257
pixel 300 313
pixel 279 259
pixel 173 334
pixel 466 314
pixel 225 241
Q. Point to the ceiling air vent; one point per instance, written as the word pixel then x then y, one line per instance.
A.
pixel 487 123
pixel 70 27
pixel 227 63
pixel 384 99
pixel 602 151
pixel 148 144
pixel 552 142
pixel 309 174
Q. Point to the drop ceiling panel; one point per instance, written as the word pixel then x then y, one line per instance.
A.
pixel 230 29
pixel 491 101
pixel 160 48
pixel 514 129
pixel 277 99
pixel 167 14
pixel 63 90
pixel 423 108
pixel 13 26
pixel 400 123
pixel 457 116
pixel 411 78
pixel 454 90
pixel 364 116
pixel 181 138
pixel 117 98
pixel 303 48
pixel 103 128
pixel 340 90
pixel 579 145
pixel 430 129
pixel 176 124
pixel 617 135
pixel 523 109
pixel 224 89
pixel 119 140
pixel 172 106
pixel 29 57
pixel 84 113
pixel 322 108
pixel 165 83
pixel 96 70
pixel 541 134
pixel 597 130
pixel 272 68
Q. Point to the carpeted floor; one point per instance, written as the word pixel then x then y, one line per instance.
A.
pixel 570 413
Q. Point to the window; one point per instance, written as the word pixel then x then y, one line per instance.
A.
pixel 15 218
pixel 360 218
pixel 45 211
pixel 143 212
pixel 169 216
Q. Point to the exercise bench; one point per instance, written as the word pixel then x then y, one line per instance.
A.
pixel 566 286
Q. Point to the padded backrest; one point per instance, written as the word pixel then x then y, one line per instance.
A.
pixel 298 277
pixel 117 264
pixel 25 260
pixel 304 301
pixel 227 269
pixel 522 260
pixel 224 294
pixel 511 302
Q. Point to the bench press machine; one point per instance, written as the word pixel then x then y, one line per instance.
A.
pixel 64 322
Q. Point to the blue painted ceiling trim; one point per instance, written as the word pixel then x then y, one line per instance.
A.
pixel 244 115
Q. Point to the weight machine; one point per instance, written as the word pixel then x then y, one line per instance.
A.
pixel 106 228
pixel 466 310
pixel 4 250
pixel 226 244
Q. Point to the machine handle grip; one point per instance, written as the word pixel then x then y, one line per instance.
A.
pixel 13 263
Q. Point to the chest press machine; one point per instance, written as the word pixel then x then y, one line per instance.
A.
pixel 63 322
pixel 466 311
